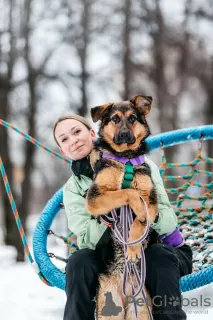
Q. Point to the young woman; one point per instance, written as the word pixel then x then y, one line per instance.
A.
pixel 165 262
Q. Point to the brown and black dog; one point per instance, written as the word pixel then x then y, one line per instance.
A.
pixel 122 132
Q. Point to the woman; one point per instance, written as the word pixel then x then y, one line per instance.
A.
pixel 165 263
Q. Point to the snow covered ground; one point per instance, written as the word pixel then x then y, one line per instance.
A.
pixel 23 295
pixel 200 303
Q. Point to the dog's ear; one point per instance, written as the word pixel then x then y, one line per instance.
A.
pixel 98 112
pixel 142 104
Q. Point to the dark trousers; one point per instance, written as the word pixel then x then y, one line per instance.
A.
pixel 164 267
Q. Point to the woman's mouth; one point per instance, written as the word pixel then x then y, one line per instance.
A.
pixel 77 148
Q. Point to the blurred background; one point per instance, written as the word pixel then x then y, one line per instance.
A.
pixel 64 57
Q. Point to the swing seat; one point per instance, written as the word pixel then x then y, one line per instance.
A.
pixel 195 280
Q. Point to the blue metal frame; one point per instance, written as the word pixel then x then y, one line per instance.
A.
pixel 56 277
pixel 175 137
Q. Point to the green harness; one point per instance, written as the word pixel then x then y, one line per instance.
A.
pixel 128 175
pixel 129 166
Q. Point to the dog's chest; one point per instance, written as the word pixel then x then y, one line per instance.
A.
pixel 117 266
pixel 113 174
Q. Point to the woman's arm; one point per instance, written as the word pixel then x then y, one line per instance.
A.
pixel 87 229
pixel 167 221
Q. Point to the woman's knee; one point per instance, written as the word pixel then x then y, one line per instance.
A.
pixel 161 255
pixel 79 259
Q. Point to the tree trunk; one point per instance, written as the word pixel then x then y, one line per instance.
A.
pixel 127 51
pixel 83 57
pixel 167 118
pixel 26 187
pixel 11 234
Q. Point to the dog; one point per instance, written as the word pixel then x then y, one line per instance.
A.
pixel 122 133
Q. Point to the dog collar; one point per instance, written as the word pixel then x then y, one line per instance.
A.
pixel 134 161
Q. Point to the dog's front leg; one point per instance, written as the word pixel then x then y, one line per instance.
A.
pixel 137 229
pixel 99 202
pixel 135 232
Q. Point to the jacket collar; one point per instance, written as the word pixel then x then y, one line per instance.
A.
pixel 82 167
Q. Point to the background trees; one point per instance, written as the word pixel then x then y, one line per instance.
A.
pixel 60 57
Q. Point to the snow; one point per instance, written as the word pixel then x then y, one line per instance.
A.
pixel 202 299
pixel 23 295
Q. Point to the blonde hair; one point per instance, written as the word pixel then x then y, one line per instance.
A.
pixel 74 117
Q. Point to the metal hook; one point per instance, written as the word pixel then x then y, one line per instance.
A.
pixel 200 141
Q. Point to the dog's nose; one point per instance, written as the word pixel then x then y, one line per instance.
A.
pixel 124 135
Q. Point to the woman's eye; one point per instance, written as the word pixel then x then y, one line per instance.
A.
pixel 116 119
pixel 132 119
pixel 77 132
pixel 64 139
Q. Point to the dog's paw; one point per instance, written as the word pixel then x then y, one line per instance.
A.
pixel 134 252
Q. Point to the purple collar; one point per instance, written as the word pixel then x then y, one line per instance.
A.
pixel 134 161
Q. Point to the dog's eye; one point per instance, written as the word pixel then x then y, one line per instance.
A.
pixel 132 118
pixel 116 119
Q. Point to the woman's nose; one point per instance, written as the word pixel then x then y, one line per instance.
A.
pixel 73 140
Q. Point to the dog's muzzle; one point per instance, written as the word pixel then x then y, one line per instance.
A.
pixel 124 136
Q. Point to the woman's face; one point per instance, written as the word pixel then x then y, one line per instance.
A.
pixel 74 138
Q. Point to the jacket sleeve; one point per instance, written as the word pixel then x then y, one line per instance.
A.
pixel 167 221
pixel 87 229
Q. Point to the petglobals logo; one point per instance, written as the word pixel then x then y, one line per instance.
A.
pixel 199 301
pixel 163 301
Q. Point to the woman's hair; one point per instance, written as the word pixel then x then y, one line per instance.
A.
pixel 74 117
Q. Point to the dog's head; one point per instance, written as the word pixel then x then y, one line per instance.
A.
pixel 123 125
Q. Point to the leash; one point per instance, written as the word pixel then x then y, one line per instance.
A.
pixel 34 141
pixel 19 225
pixel 11 198
pixel 130 269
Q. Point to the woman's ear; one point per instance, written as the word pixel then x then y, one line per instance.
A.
pixel 93 134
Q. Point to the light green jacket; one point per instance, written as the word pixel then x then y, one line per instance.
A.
pixel 89 230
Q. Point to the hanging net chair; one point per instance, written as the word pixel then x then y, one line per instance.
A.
pixel 193 209
pixel 192 201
